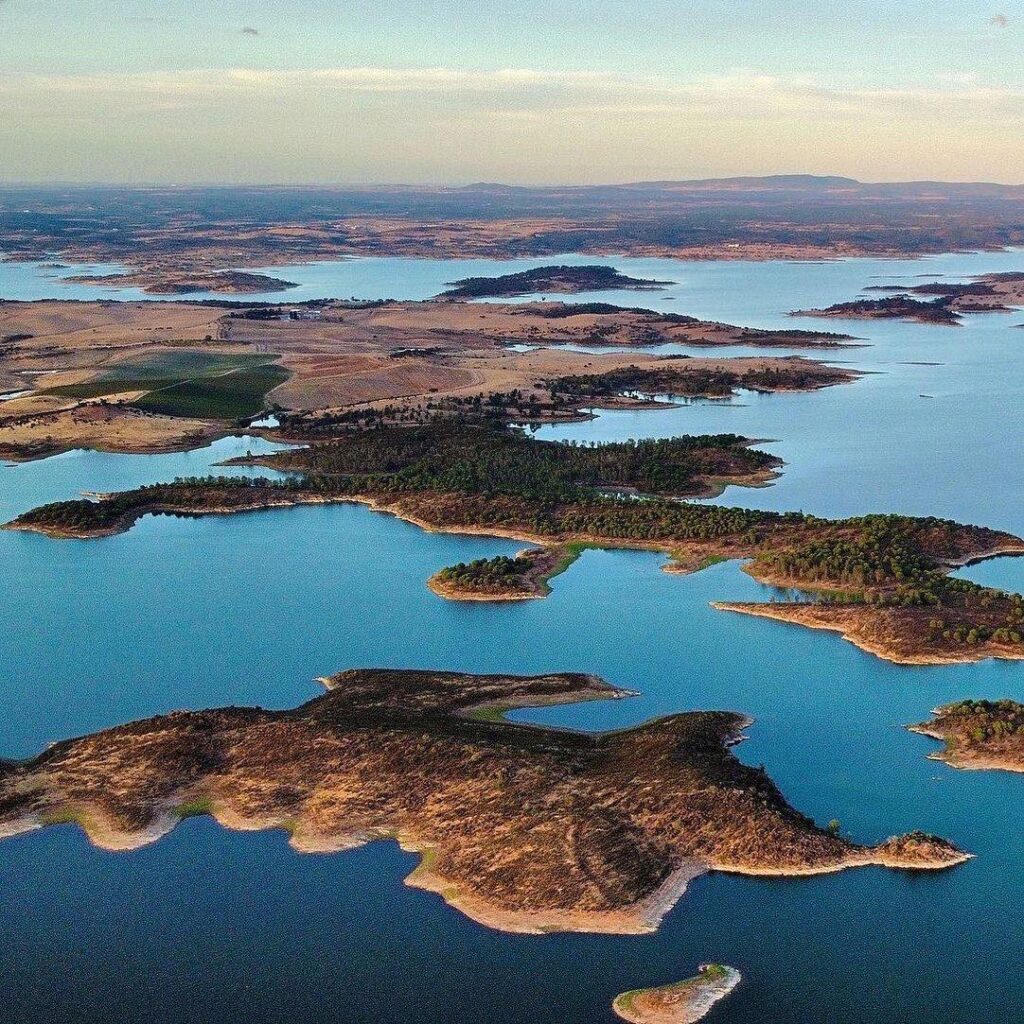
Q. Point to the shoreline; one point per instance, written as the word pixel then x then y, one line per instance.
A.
pixel 640 918
pixel 962 760
pixel 683 558
pixel 808 616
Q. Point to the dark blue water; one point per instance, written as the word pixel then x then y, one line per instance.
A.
pixel 209 925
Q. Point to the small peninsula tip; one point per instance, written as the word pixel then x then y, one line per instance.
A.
pixel 979 734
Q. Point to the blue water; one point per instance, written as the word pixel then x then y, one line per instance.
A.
pixel 731 291
pixel 209 925
pixel 27 282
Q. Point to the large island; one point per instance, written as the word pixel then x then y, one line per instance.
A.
pixel 522 828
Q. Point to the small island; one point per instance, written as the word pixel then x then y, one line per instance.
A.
pixel 561 280
pixel 161 282
pixel 896 307
pixel 987 293
pixel 522 578
pixel 979 734
pixel 683 1002
pixel 522 828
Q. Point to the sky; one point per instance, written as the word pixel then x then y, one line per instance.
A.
pixel 518 91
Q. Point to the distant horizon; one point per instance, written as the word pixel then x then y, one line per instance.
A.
pixel 509 184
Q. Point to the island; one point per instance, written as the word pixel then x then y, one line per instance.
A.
pixel 980 734
pixel 672 376
pixel 167 282
pixel 896 307
pixel 882 581
pixel 522 578
pixel 564 280
pixel 522 828
pixel 683 1002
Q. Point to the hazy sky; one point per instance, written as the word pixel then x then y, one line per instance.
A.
pixel 510 90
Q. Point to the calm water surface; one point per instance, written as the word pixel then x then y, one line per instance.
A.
pixel 210 925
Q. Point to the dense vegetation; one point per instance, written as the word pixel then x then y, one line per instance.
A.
pixel 675 378
pixel 885 559
pixel 495 476
pixel 466 475
pixel 895 562
pixel 595 515
pixel 980 721
pixel 488 575
pixel 876 552
pixel 455 457
pixel 899 307
pixel 182 496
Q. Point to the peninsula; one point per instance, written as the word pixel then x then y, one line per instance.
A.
pixel 980 734
pixel 521 828
pixel 565 280
pixel 684 1002
pixel 159 376
pixel 882 581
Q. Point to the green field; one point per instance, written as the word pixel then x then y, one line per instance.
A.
pixel 204 385
pixel 225 396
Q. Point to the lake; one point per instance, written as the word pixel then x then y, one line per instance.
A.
pixel 209 925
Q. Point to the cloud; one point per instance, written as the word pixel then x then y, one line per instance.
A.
pixel 247 31
pixel 999 20
pixel 526 88
pixel 443 93
pixel 443 123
